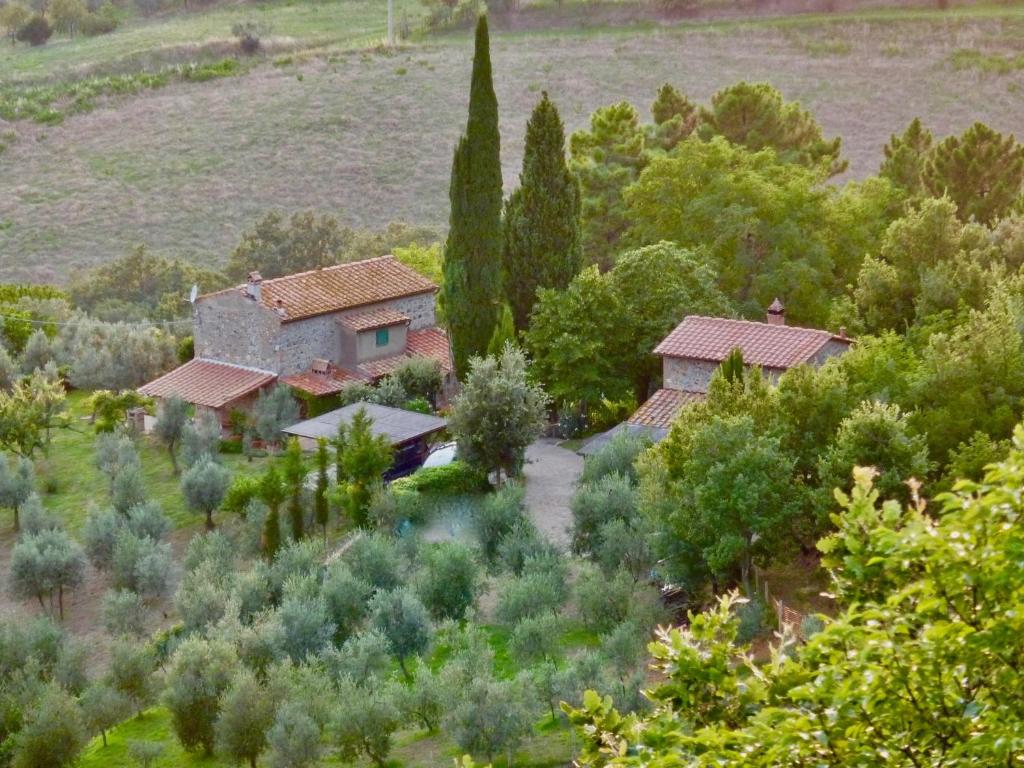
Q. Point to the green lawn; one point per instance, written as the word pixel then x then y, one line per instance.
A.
pixel 412 749
pixel 176 36
pixel 69 481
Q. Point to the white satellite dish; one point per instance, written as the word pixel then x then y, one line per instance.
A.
pixel 192 294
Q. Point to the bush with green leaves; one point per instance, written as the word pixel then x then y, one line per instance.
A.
pixel 617 456
pixel 36 31
pixel 451 479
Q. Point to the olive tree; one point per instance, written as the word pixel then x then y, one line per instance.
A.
pixel 171 419
pixel 204 486
pixel 403 619
pixel 498 413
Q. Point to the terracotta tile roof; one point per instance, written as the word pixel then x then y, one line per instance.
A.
pixel 431 343
pixel 344 286
pixel 374 318
pixel 426 342
pixel 208 383
pixel 662 407
pixel 763 344
pixel 319 384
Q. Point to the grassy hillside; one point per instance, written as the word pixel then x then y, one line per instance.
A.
pixel 368 135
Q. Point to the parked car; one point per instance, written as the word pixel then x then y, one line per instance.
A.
pixel 441 455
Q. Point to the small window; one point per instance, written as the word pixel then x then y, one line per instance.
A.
pixel 383 337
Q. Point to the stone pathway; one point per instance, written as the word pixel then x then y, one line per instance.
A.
pixel 550 476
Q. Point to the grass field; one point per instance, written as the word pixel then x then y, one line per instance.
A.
pixel 367 135
pixel 172 37
pixel 71 483
pixel 412 749
pixel 550 745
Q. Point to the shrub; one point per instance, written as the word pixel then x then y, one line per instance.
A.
pixel 454 479
pixel 95 24
pixel 248 34
pixel 35 32
pixel 751 615
pixel 618 456
pixel 811 625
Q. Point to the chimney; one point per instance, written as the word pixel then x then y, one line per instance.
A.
pixel 279 308
pixel 842 331
pixel 254 286
pixel 776 313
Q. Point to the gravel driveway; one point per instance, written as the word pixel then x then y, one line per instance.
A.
pixel 550 475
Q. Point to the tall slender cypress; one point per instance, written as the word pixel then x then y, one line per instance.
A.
pixel 543 246
pixel 472 255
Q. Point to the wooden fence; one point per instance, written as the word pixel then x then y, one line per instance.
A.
pixel 786 616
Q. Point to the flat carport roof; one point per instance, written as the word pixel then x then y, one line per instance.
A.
pixel 396 424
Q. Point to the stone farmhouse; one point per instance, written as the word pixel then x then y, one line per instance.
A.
pixel 696 348
pixel 315 331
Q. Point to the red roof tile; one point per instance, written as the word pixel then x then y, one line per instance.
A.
pixel 662 407
pixel 319 384
pixel 374 318
pixel 208 383
pixel 344 286
pixel 763 344
pixel 431 343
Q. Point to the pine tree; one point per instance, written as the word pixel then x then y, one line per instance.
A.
pixel 472 259
pixel 543 246
pixel 981 171
pixel 675 118
pixel 755 116
pixel 905 157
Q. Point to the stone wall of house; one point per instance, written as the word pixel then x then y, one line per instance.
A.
pixel 687 373
pixel 419 309
pixel 831 349
pixel 233 328
pixel 236 329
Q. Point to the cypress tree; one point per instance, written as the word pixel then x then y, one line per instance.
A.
pixel 543 246
pixel 321 506
pixel 472 254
